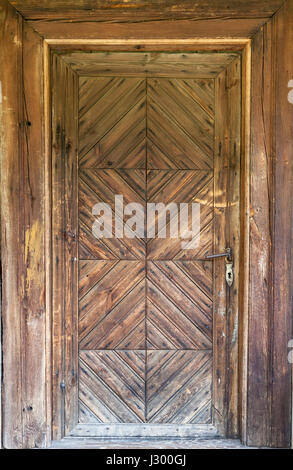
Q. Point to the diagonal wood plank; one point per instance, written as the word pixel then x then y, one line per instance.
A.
pixel 145 327
pixel 103 104
pixel 179 312
pixel 112 385
pixel 114 308
pixel 124 145
pixel 180 123
pixel 90 273
pixel 188 186
pixel 86 415
pixel 101 186
pixel 179 390
pixel 174 102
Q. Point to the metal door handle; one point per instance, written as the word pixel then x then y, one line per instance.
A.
pixel 227 254
pixel 229 264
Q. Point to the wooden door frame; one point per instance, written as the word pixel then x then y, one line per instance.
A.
pixel 63 190
pixel 266 318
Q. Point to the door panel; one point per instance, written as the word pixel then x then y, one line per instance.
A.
pixel 180 123
pixel 182 186
pixel 96 185
pixel 179 313
pixel 145 305
pixel 112 385
pixel 112 122
pixel 111 314
pixel 178 387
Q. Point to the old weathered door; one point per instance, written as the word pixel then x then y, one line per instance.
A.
pixel 146 304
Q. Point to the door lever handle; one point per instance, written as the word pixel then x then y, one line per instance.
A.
pixel 227 254
pixel 229 264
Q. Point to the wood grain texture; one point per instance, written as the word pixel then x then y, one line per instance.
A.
pixel 282 274
pixel 132 29
pixel 234 239
pixel 11 236
pixel 58 75
pixel 112 312
pixel 127 303
pixel 71 250
pixel 260 419
pixel 181 186
pixel 149 64
pixel 258 403
pixel 112 115
pixel 227 233
pixel 207 45
pixel 34 299
pixel 23 255
pixel 154 8
pixel 180 123
pixel 113 108
pixel 64 247
pixel 244 239
pixel 97 186
pixel 270 320
pixel 179 305
pixel 112 385
pixel 172 377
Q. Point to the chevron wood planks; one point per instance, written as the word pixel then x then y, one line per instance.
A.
pixel 145 304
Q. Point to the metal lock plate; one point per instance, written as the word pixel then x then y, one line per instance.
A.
pixel 229 273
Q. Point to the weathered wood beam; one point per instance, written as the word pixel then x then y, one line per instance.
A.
pixel 282 259
pixel 165 29
pixel 22 237
pixel 64 247
pixel 269 391
pixel 146 9
pixel 260 183
pixel 34 274
pixel 11 116
pixel 227 233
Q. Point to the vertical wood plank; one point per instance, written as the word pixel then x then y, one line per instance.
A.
pixel 233 89
pixel 48 230
pixel 58 70
pixel 270 306
pixel 227 233
pixel 64 246
pixel 258 387
pixel 24 390
pixel 71 250
pixel 282 262
pixel 34 299
pixel 11 223
pixel 221 162
pixel 244 242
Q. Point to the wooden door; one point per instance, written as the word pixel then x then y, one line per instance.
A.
pixel 39 306
pixel 145 305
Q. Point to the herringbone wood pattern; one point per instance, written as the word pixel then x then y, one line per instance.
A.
pixel 112 385
pixel 112 122
pixel 145 305
pixel 180 123
pixel 178 387
pixel 112 312
pixel 96 186
pixel 182 186
pixel 179 308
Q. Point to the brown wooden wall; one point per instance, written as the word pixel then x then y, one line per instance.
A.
pixel 26 409
pixel 23 236
pixel 271 196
